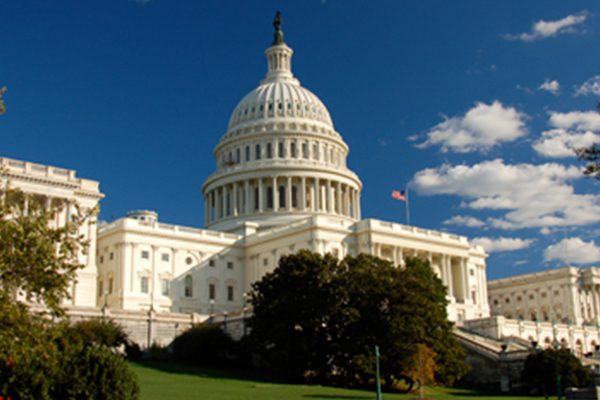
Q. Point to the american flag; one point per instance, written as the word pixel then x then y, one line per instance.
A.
pixel 398 195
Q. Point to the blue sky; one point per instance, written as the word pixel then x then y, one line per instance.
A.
pixel 475 103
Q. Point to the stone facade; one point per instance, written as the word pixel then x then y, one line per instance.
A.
pixel 564 295
pixel 48 185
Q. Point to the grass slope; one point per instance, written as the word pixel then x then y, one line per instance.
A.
pixel 160 381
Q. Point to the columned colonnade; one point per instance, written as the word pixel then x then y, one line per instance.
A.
pixel 452 270
pixel 293 193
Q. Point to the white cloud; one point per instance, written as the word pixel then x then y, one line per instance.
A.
pixel 462 220
pixel 573 251
pixel 571 130
pixel 481 128
pixel 591 86
pixel 560 143
pixel 551 86
pixel 527 195
pixel 494 245
pixel 544 29
pixel 578 120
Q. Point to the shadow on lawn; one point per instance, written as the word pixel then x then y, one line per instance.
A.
pixel 337 396
pixel 205 372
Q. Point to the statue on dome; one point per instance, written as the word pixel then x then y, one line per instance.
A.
pixel 278 32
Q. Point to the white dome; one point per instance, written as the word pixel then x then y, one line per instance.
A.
pixel 280 99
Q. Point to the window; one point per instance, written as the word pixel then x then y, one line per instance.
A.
pixel 110 284
pixel 257 152
pixel 531 296
pixel 229 265
pixel 145 254
pixel 293 149
pixel 111 256
pixel 211 263
pixel 165 256
pixel 316 151
pixel 472 272
pixel 211 291
pixel 237 155
pixel 556 293
pixel 519 298
pixel 265 261
pixel 294 196
pixel 189 260
pixel 495 302
pixel 305 150
pixel 100 287
pixel 269 150
pixel 144 284
pixel 270 197
pixel 280 149
pixel 474 296
pixel 101 259
pixel 544 295
pixel 282 196
pixel 507 300
pixel 164 286
pixel 229 293
pixel 188 286
pixel 247 153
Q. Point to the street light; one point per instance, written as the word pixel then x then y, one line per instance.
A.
pixel 244 295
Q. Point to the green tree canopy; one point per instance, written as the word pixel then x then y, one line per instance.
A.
pixel 317 317
pixel 540 371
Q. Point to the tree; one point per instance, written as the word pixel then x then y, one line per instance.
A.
pixel 421 368
pixel 540 371
pixel 39 358
pixel 295 309
pixel 38 259
pixel 591 155
pixel 315 317
pixel 2 106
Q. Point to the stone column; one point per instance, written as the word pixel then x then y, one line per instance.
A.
pixel 328 196
pixel 261 195
pixel 134 255
pixel 234 202
pixel 206 199
pixel 465 279
pixel 288 193
pixel 317 195
pixel 357 204
pixel 247 196
pixel 224 200
pixel 448 265
pixel 275 195
pixel 303 192
pixel 339 208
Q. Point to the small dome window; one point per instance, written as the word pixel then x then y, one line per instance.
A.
pixel 261 107
pixel 279 106
pixel 270 106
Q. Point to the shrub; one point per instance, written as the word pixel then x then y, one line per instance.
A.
pixel 101 331
pixel 95 372
pixel 204 345
pixel 41 360
pixel 540 371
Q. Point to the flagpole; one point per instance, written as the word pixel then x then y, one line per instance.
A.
pixel 407 208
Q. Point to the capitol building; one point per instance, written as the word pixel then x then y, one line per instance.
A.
pixel 281 184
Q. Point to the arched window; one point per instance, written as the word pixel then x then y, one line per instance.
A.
pixel 188 286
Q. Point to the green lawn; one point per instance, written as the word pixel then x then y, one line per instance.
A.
pixel 161 381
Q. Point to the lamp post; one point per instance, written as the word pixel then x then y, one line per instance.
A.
pixel 212 307
pixel 378 381
pixel 244 314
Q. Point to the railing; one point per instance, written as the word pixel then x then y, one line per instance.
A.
pixel 131 222
pixel 47 171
